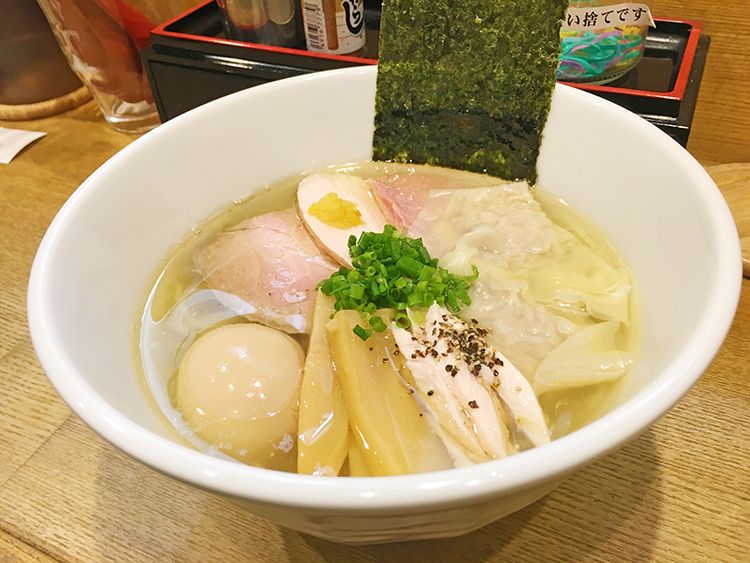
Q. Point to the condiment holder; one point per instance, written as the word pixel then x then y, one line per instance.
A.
pixel 191 62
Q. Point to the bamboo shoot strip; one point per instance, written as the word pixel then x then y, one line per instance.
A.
pixel 466 85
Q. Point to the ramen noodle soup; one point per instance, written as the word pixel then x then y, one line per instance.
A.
pixel 380 319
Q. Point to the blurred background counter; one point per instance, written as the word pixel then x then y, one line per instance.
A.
pixel 721 125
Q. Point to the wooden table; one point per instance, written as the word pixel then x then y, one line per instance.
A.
pixel 679 492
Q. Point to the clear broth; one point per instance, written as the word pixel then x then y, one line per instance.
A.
pixel 176 279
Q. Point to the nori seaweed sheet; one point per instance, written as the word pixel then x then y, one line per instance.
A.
pixel 466 84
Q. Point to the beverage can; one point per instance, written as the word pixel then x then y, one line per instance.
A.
pixel 269 22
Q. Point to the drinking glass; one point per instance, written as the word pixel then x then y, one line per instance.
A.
pixel 102 40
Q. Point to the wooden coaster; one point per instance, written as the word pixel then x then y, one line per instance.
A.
pixel 45 108
pixel 734 182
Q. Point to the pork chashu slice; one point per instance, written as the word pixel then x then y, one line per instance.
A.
pixel 271 262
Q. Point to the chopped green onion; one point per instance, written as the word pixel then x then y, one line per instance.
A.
pixel 357 291
pixel 402 320
pixel 426 273
pixel 409 265
pixel 377 323
pixel 363 333
pixel 390 271
pixel 452 302
pixel 463 296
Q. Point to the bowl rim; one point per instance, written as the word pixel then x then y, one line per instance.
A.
pixel 451 486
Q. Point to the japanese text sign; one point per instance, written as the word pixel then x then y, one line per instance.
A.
pixel 615 15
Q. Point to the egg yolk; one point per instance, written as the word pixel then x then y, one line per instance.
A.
pixel 238 388
pixel 336 212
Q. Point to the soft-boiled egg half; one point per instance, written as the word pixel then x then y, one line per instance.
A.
pixel 237 387
pixel 336 206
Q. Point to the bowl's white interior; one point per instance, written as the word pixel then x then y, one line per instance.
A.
pixel 654 202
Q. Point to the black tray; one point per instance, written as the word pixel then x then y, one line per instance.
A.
pixel 191 62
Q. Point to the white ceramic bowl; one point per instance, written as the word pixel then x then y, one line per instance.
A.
pixel 653 200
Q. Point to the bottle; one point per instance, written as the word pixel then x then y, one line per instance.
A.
pixel 334 26
pixel 601 40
